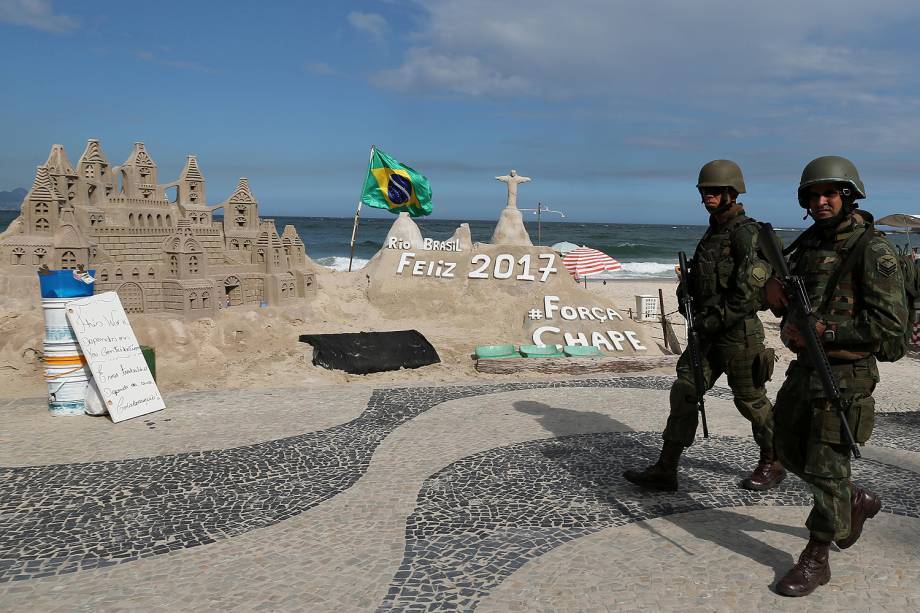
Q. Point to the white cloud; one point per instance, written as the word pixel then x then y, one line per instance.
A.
pixel 761 68
pixel 37 14
pixel 424 70
pixel 370 23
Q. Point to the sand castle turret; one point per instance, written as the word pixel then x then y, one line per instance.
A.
pixel 95 174
pixel 41 206
pixel 139 175
pixel 62 172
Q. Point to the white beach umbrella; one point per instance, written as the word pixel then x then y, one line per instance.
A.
pixel 564 247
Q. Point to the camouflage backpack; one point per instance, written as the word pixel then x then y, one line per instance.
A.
pixel 892 349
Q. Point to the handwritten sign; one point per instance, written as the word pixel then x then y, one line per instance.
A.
pixel 114 356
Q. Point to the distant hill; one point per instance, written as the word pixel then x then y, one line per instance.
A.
pixel 10 201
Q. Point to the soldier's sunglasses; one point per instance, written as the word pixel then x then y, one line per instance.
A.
pixel 712 191
pixel 828 193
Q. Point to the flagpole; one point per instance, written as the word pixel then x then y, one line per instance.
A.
pixel 354 228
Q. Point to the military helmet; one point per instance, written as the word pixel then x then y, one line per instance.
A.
pixel 721 173
pixel 830 169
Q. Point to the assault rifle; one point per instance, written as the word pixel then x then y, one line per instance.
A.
pixel 801 315
pixel 693 341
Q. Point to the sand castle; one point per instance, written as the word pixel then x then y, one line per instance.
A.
pixel 156 244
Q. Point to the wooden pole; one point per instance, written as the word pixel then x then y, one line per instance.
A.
pixel 354 228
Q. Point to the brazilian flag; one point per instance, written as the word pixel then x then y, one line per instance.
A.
pixel 394 186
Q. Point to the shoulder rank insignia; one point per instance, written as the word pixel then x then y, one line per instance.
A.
pixel 759 274
pixel 887 265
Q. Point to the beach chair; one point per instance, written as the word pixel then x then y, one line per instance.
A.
pixel 541 351
pixel 577 351
pixel 492 352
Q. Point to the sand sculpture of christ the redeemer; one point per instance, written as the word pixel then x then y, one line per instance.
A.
pixel 512 179
pixel 510 228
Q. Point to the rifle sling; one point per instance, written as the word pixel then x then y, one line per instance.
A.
pixel 854 254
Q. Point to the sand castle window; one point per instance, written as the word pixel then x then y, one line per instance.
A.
pixel 193 300
pixel 140 221
pixel 40 255
pixel 159 221
pixel 130 219
pixel 150 220
pixel 276 256
pixel 41 208
pixel 89 172
pixel 193 264
pixel 234 244
pixel 42 224
pixel 173 265
pixel 18 255
pixel 247 245
pixel 260 256
pixel 118 274
pixel 103 275
pixel 241 221
pixel 168 221
pixel 206 300
pixel 68 260
pixel 150 273
pixel 135 274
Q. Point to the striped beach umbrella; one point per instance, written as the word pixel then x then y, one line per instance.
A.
pixel 585 261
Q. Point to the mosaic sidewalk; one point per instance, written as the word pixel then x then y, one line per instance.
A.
pixel 487 497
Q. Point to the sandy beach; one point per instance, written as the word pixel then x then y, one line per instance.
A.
pixel 255 348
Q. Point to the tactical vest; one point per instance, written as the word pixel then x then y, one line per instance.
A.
pixel 815 261
pixel 712 262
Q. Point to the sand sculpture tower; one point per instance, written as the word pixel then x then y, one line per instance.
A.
pixel 96 178
pixel 41 207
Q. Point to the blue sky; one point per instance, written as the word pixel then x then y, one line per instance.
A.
pixel 610 106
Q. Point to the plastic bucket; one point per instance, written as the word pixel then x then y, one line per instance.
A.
pixel 66 283
pixel 67 375
pixel 57 329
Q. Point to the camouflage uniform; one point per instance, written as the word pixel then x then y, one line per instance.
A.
pixel 726 281
pixel 867 307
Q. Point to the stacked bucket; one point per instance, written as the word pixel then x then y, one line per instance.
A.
pixel 66 370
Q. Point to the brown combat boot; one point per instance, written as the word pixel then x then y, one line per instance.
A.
pixel 810 572
pixel 662 475
pixel 768 474
pixel 863 505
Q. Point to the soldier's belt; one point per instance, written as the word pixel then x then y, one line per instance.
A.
pixel 835 357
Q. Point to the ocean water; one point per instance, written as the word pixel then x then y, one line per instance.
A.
pixel 644 250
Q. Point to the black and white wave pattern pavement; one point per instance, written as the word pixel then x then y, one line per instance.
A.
pixel 480 519
pixel 63 518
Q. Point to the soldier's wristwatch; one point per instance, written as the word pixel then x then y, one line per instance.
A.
pixel 830 334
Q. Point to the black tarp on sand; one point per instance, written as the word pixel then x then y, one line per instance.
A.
pixel 361 353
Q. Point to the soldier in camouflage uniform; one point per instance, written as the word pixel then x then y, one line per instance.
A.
pixel 727 279
pixel 856 316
